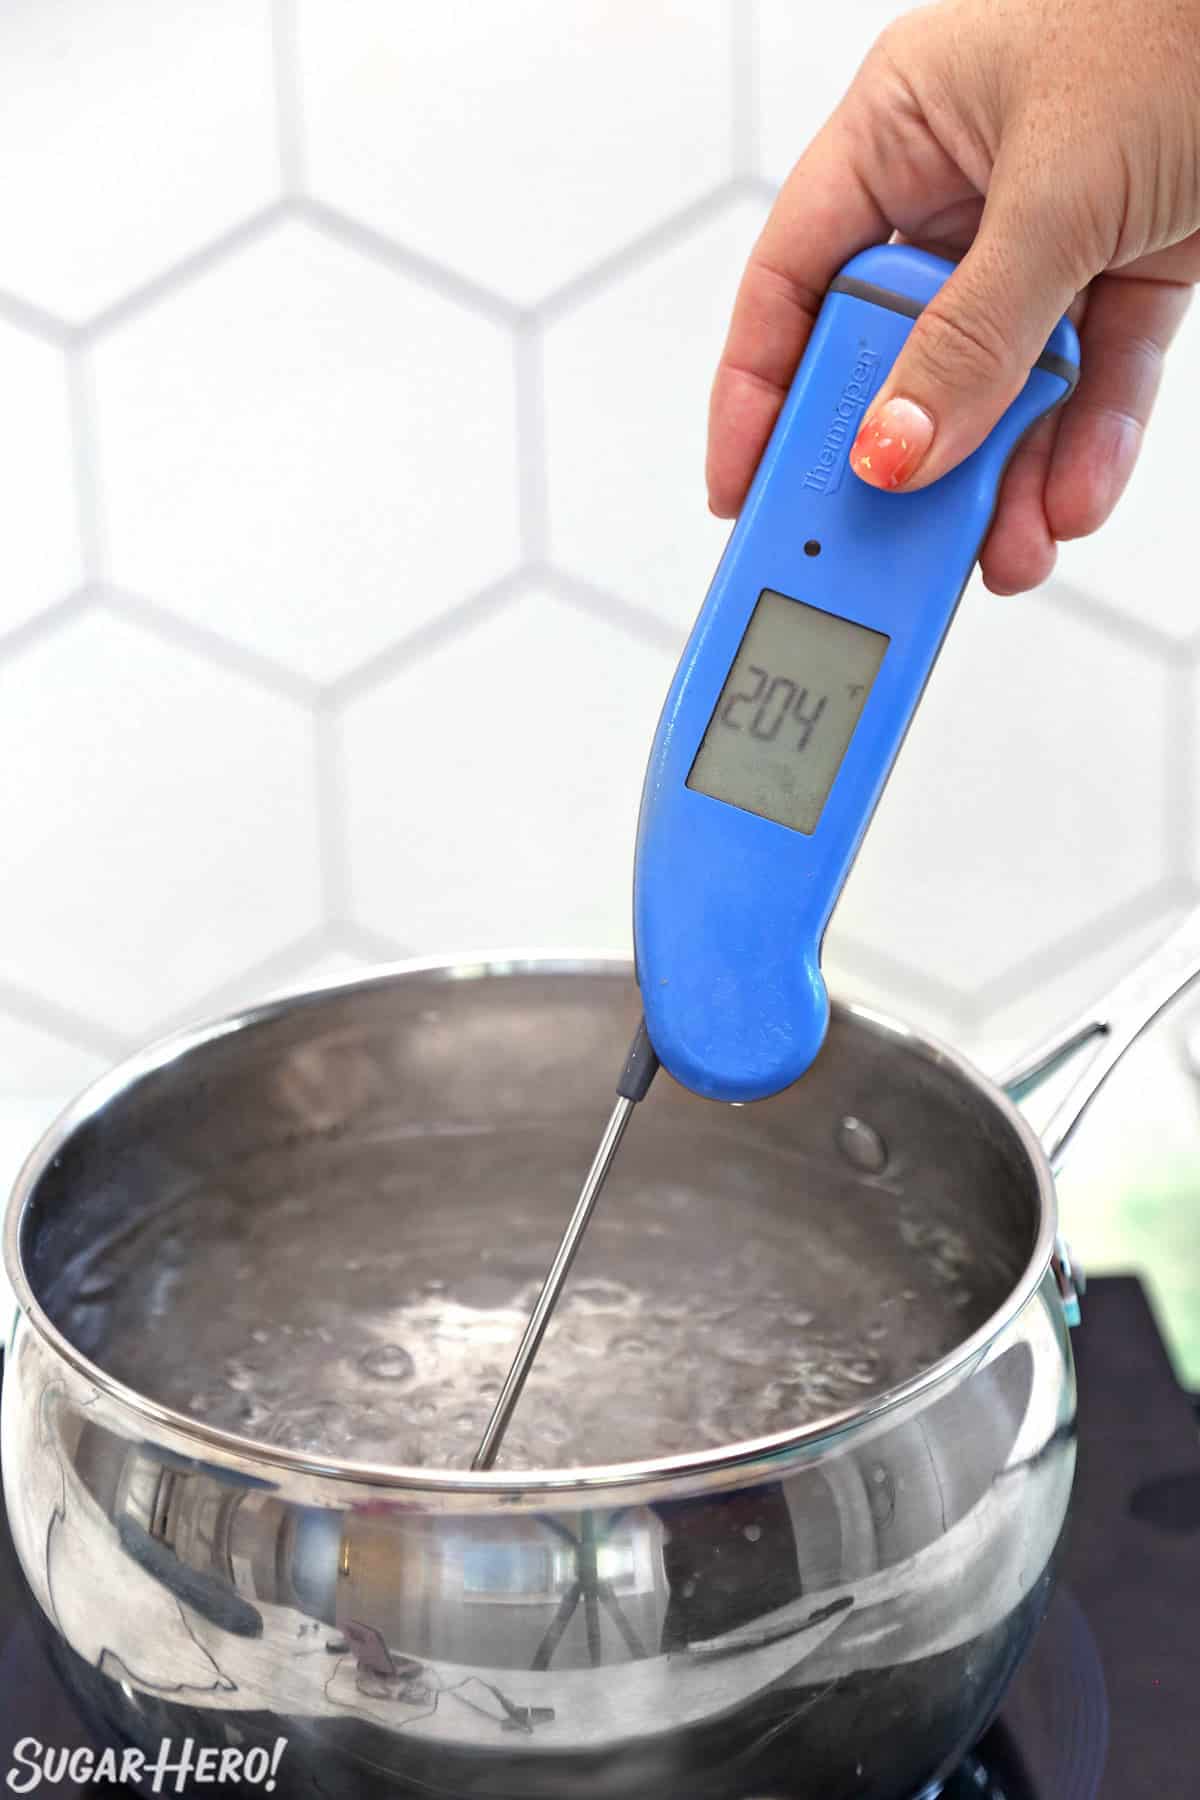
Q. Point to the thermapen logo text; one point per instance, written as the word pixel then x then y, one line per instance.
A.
pixel 170 1771
pixel 827 471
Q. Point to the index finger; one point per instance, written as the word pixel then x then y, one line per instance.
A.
pixel 822 216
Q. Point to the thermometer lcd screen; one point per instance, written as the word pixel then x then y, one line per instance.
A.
pixel 787 712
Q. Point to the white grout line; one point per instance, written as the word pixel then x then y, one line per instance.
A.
pixel 46 623
pixel 62 1022
pixel 197 263
pixel 25 315
pixel 458 289
pixel 1180 775
pixel 81 400
pixel 431 636
pixel 246 986
pixel 330 800
pixel 904 979
pixel 638 621
pixel 200 640
pixel 1108 620
pixel 633 256
pixel 531 451
pixel 289 109
pixel 1087 938
pixel 745 134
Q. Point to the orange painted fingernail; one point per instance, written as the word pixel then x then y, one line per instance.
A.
pixel 892 443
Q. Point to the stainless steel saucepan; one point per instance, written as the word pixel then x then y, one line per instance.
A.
pixel 830 1609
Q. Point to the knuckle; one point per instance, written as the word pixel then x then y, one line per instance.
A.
pixel 959 348
pixel 889 44
pixel 910 44
pixel 776 284
pixel 893 43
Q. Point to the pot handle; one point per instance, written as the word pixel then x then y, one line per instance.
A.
pixel 1110 1026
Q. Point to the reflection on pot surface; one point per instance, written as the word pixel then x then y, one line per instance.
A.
pixel 833 1613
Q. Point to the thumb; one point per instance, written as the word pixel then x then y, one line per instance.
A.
pixel 970 351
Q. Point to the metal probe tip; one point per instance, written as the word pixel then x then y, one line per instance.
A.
pixel 636 1077
pixel 547 1300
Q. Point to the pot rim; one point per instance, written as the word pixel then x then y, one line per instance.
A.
pixel 523 1483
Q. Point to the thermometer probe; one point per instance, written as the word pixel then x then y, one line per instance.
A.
pixel 791 700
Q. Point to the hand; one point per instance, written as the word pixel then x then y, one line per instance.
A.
pixel 1055 146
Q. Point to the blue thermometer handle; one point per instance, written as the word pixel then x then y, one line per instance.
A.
pixel 730 906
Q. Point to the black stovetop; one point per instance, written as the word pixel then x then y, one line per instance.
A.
pixel 1107 1705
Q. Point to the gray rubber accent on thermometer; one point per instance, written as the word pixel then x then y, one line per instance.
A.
pixel 912 309
pixel 641 1066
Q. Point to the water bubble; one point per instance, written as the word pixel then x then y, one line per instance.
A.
pixel 600 1293
pixel 390 1362
pixel 673 1311
pixel 307 1427
pixel 861 1145
pixel 700 1323
pixel 96 1283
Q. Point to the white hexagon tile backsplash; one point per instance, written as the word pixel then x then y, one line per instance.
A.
pixel 306 451
pixel 1029 807
pixel 132 133
pixel 354 362
pixel 494 780
pixel 161 805
pixel 40 553
pixel 627 368
pixel 522 143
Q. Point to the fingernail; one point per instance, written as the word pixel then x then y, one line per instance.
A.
pixel 892 443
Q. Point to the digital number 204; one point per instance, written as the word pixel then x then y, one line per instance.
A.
pixel 770 702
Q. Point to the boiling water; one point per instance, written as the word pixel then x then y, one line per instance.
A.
pixel 365 1303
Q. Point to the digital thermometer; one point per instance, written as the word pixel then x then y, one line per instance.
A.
pixel 783 721
pixel 795 690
